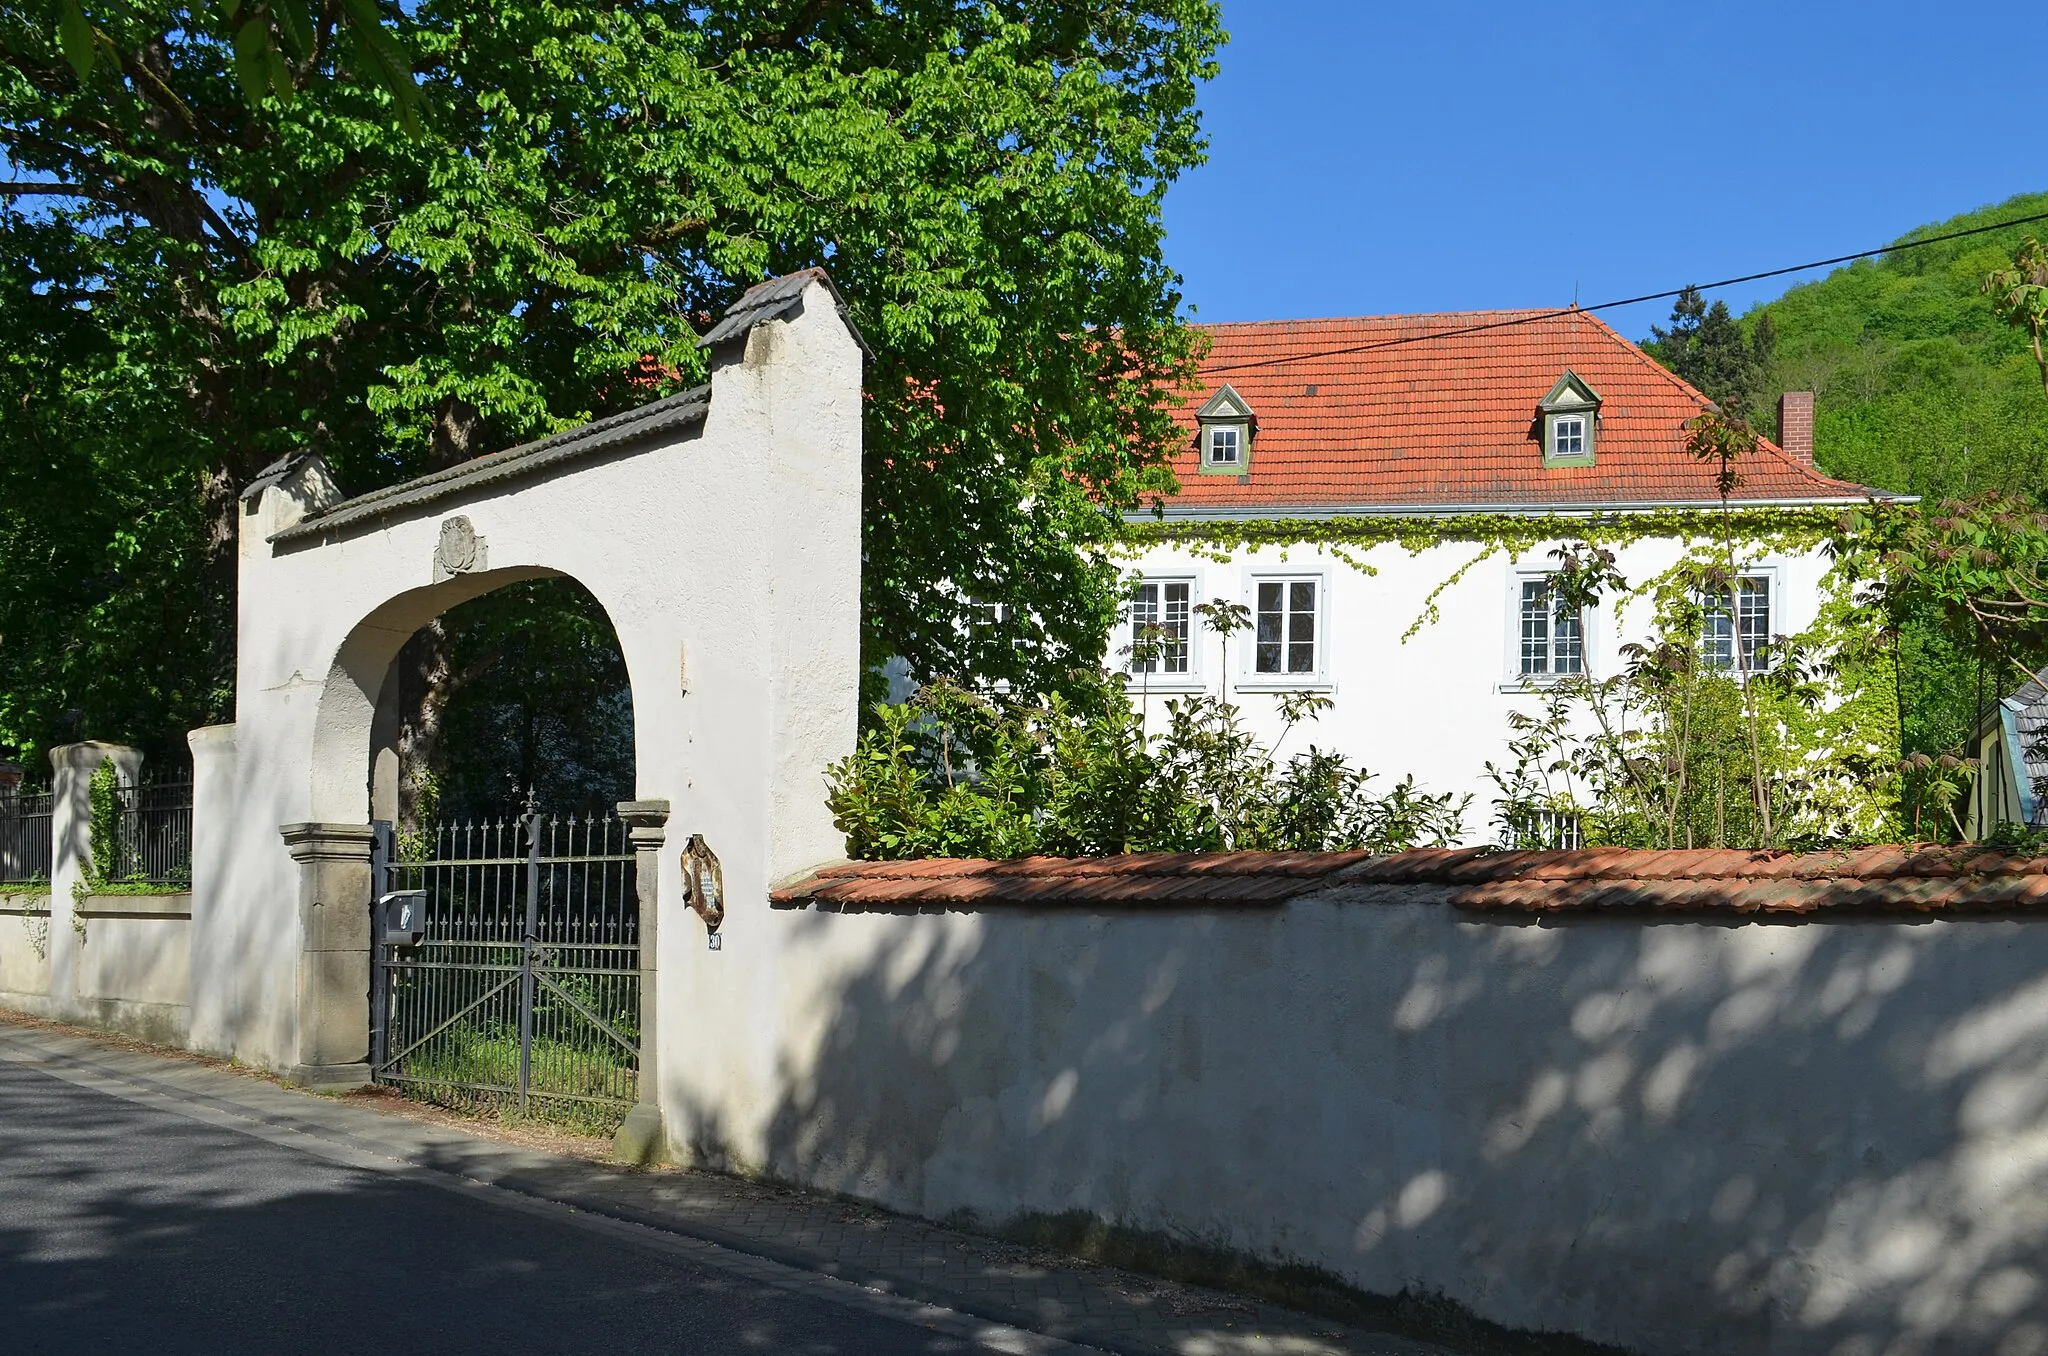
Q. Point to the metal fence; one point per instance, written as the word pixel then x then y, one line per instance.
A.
pixel 25 836
pixel 523 990
pixel 152 833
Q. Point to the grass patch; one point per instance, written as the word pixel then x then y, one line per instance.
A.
pixel 1296 1285
pixel 564 1072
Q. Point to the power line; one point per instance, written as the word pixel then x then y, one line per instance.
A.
pixel 1631 301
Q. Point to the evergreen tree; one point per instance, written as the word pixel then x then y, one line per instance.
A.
pixel 1706 347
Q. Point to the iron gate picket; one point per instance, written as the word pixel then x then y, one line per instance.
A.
pixel 523 990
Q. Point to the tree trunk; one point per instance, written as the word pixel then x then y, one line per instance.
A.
pixel 221 499
pixel 426 680
pixel 457 426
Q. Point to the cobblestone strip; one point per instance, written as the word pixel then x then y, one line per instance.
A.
pixel 998 1295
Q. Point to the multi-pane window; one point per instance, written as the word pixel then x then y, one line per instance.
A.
pixel 1553 638
pixel 1285 621
pixel 1160 616
pixel 1223 445
pixel 1737 633
pixel 987 621
pixel 1568 435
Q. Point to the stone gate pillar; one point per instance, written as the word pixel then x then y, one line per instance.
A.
pixel 643 1138
pixel 333 1048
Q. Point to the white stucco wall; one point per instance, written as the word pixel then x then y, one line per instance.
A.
pixel 24 948
pixel 132 966
pixel 220 976
pixel 1436 704
pixel 1829 1138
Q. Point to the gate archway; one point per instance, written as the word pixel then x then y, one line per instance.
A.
pixel 720 531
pixel 505 959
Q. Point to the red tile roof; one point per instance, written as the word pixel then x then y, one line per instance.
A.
pixel 1453 421
pixel 1901 879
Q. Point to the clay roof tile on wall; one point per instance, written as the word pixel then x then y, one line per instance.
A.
pixel 1734 883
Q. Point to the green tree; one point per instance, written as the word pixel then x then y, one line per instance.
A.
pixel 538 702
pixel 274 43
pixel 195 283
pixel 1707 347
pixel 2019 297
pixel 1922 387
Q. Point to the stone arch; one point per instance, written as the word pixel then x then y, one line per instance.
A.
pixel 348 741
pixel 719 530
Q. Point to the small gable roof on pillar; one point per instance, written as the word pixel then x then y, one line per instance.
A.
pixel 777 299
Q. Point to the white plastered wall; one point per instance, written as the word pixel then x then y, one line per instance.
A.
pixel 1667 1133
pixel 730 552
pixel 1434 704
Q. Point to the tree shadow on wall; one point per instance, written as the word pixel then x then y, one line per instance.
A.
pixel 1679 1137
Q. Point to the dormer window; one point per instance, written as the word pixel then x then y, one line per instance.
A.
pixel 1225 441
pixel 1569 422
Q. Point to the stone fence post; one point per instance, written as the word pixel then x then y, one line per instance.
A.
pixel 643 1139
pixel 72 767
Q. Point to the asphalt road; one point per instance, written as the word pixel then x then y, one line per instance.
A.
pixel 128 1228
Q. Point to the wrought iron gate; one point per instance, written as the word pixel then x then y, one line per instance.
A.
pixel 522 991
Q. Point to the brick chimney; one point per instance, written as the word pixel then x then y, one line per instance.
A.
pixel 1795 425
pixel 10 782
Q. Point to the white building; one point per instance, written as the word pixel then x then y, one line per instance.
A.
pixel 1441 426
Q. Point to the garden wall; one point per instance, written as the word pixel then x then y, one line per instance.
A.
pixel 121 961
pixel 1688 1110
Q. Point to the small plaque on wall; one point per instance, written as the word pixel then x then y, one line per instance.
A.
pixel 704 884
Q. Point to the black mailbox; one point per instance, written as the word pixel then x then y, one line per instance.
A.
pixel 402 917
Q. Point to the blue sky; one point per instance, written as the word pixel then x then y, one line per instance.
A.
pixel 1457 156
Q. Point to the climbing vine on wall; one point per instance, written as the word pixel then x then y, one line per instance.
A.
pixel 1647 755
pixel 1515 534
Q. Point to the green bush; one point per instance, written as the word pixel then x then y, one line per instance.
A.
pixel 1677 751
pixel 957 773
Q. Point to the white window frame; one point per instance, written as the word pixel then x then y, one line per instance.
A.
pixel 1554 829
pixel 1558 451
pixel 1774 601
pixel 1249 679
pixel 1513 679
pixel 997 614
pixel 1192 680
pixel 1237 432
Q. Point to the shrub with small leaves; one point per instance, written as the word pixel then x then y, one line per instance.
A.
pixel 960 773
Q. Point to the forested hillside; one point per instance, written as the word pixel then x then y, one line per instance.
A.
pixel 1920 388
